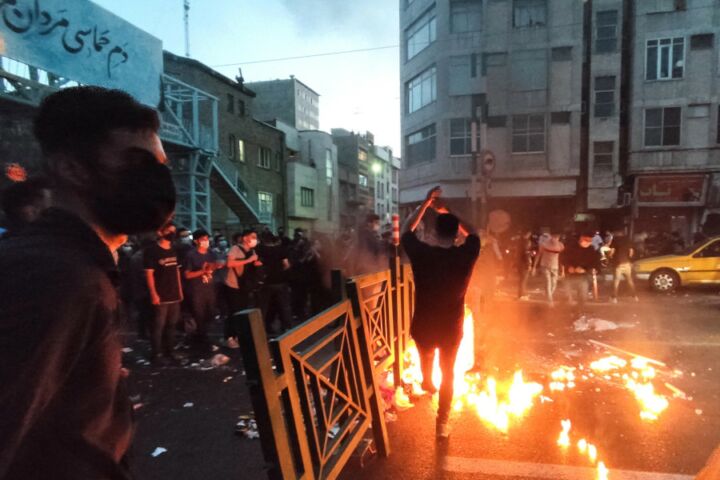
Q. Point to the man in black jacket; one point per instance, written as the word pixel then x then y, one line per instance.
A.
pixel 580 261
pixel 65 412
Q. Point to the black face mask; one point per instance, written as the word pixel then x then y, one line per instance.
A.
pixel 169 237
pixel 138 198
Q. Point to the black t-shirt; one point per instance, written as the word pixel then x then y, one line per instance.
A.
pixel 194 261
pixel 441 280
pixel 165 267
pixel 575 256
pixel 622 248
pixel 272 257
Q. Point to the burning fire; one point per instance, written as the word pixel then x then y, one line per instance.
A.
pixel 584 448
pixel 495 402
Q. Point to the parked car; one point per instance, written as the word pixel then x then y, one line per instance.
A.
pixel 697 265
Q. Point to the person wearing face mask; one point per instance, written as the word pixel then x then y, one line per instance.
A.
pixel 162 273
pixel 241 280
pixel 579 261
pixel 200 263
pixel 63 396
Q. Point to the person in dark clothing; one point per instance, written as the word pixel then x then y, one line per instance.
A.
pixel 241 281
pixel 200 263
pixel 275 291
pixel 285 241
pixel 442 274
pixel 63 396
pixel 162 273
pixel 301 259
pixel 142 306
pixel 579 261
pixel 370 253
pixel 525 263
pixel 621 261
pixel 22 202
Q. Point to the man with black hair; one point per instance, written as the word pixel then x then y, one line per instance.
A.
pixel 65 410
pixel 580 261
pixel 442 274
pixel 162 273
pixel 200 263
pixel 23 202
pixel 274 298
pixel 241 280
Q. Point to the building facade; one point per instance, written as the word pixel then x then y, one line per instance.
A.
pixel 288 100
pixel 248 178
pixel 385 173
pixel 357 188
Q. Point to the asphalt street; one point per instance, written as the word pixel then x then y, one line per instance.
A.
pixel 191 410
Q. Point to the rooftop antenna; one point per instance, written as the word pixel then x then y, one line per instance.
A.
pixel 186 18
pixel 240 79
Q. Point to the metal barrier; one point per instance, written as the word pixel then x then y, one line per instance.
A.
pixel 314 409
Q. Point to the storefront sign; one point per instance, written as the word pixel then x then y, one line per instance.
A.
pixel 671 190
pixel 83 42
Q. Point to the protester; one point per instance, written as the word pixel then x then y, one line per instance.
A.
pixel 369 253
pixel 63 398
pixel 525 263
pixel 200 263
pixel 183 243
pixel 301 260
pixel 162 273
pixel 142 306
pixel 442 274
pixel 23 202
pixel 621 261
pixel 241 281
pixel 274 298
pixel 284 239
pixel 580 261
pixel 548 258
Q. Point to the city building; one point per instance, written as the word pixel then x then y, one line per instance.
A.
pixel 385 173
pixel 312 181
pixel 508 74
pixel 248 174
pixel 357 188
pixel 288 100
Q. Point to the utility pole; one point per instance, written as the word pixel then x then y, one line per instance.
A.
pixel 186 17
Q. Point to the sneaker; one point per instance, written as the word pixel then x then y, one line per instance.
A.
pixel 428 387
pixel 442 430
pixel 232 342
pixel 613 300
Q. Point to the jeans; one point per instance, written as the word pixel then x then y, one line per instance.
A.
pixel 620 270
pixel 203 307
pixel 447 367
pixel 551 280
pixel 162 331
pixel 237 299
pixel 275 299
pixel 578 284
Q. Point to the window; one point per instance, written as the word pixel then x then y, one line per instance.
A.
pixel 265 206
pixel 461 74
pixel 461 136
pixel 662 126
pixel 241 150
pixel 604 96
pixel 420 34
pixel 241 108
pixel 362 180
pixel 465 16
pixel 230 103
pixel 712 250
pixel 562 54
pixel 231 147
pixel 421 90
pixel 603 154
pixel 307 197
pixel 606 31
pixel 665 58
pixel 528 133
pixel 493 60
pixel 420 146
pixel 362 155
pixel 264 158
pixel 560 118
pixel 529 13
pixel 702 41
pixel 528 70
pixel 328 166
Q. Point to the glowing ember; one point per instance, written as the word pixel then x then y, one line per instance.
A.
pixel 652 404
pixel 608 363
pixel 582 446
pixel 564 438
pixel 592 453
pixel 602 471
pixel 562 378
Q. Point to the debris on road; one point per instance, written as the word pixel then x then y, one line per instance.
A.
pixel 227 379
pixel 219 359
pixel 188 405
pixel 127 350
pixel 158 451
pixel 584 324
pixel 247 427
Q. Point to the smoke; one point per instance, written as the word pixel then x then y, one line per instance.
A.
pixel 369 19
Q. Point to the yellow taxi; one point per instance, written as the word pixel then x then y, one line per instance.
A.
pixel 698 265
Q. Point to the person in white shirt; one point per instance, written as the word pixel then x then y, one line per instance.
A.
pixel 548 258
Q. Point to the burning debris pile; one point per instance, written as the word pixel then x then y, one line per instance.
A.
pixel 503 403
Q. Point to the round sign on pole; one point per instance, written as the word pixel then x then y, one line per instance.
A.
pixel 488 162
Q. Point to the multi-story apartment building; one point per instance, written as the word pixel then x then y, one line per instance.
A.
pixel 385 174
pixel 606 108
pixel 288 100
pixel 510 74
pixel 357 190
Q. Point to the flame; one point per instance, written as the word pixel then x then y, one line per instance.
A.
pixel 562 378
pixel 564 438
pixel 582 446
pixel 602 471
pixel 495 402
